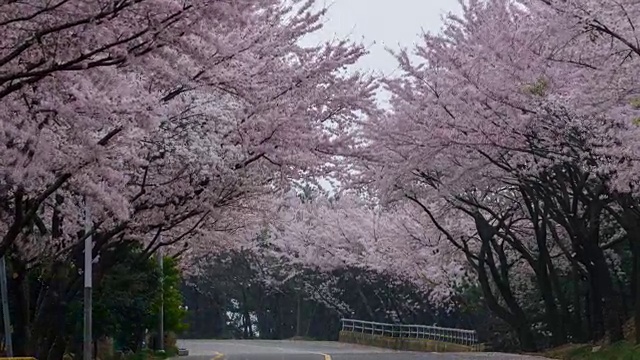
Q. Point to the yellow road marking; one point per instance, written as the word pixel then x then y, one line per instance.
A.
pixel 326 356
pixel 218 356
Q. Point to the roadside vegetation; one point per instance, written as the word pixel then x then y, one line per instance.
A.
pixel 623 350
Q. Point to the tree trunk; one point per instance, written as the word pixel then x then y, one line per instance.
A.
pixel 514 316
pixel 299 315
pixel 577 322
pixel 635 288
pixel 246 323
pixel 313 314
pixel 20 316
pixel 365 302
pixel 56 351
pixel 611 304
pixel 554 321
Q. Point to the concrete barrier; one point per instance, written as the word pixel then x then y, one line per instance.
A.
pixel 408 344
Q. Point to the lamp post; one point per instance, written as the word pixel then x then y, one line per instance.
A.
pixel 88 285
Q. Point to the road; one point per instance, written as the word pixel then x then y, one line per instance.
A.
pixel 316 350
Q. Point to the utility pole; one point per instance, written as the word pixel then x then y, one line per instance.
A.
pixel 88 284
pixel 161 310
pixel 6 319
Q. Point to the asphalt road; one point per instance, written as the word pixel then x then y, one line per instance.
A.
pixel 316 350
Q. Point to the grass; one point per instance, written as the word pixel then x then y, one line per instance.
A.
pixel 303 338
pixel 619 351
pixel 153 355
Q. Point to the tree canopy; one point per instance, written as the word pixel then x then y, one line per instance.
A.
pixel 503 173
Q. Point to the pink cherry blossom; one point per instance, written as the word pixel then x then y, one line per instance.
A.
pixel 175 122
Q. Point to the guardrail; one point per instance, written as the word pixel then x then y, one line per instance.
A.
pixel 436 333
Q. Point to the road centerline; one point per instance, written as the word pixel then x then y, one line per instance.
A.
pixel 280 349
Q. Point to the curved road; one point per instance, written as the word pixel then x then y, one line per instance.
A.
pixel 316 350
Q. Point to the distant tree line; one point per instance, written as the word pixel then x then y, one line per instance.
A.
pixel 229 299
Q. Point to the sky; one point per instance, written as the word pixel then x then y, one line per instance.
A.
pixel 383 23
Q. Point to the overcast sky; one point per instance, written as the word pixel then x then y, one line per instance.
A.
pixel 383 23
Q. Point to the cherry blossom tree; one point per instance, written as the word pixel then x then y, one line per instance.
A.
pixel 514 131
pixel 328 235
pixel 210 112
pixel 174 123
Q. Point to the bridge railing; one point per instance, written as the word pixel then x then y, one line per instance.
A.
pixel 436 333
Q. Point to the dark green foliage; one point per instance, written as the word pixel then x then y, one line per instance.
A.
pixel 174 311
pixel 230 300
pixel 619 351
pixel 47 302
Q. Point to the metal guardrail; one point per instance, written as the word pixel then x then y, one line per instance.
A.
pixel 436 333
